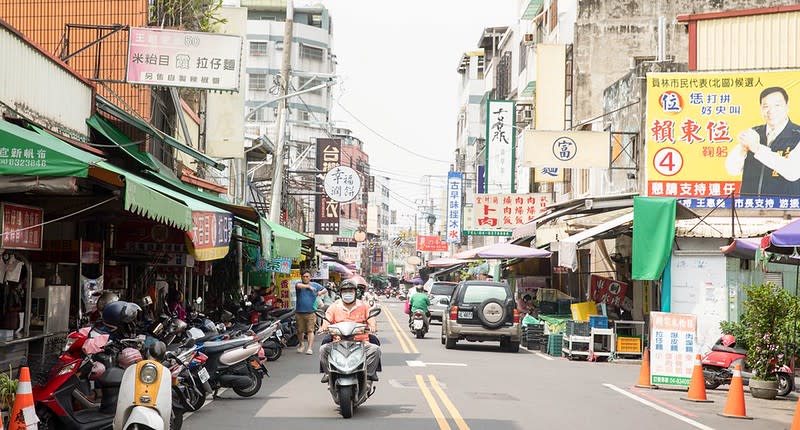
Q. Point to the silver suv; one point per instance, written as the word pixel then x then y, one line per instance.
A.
pixel 481 311
pixel 439 294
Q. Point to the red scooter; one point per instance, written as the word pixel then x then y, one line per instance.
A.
pixel 719 363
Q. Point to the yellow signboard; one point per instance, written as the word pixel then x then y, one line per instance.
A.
pixel 711 136
pixel 629 345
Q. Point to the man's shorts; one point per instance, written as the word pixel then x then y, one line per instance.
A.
pixel 306 322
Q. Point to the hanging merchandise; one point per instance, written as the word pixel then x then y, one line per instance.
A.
pixel 13 268
pixel 90 292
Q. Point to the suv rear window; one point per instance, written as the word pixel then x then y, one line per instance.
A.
pixel 479 293
pixel 443 289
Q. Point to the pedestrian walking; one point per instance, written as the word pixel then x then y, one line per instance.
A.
pixel 307 293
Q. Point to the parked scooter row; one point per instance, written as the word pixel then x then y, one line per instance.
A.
pixel 719 363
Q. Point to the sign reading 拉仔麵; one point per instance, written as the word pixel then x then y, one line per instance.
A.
pixel 713 135
pixel 329 156
pixel 21 227
pixel 188 59
pixel 672 346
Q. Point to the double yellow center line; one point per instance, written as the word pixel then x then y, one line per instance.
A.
pixel 437 412
pixel 405 341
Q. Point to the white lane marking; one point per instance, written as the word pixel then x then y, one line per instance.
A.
pixel 209 400
pixel 539 354
pixel 417 363
pixel 675 415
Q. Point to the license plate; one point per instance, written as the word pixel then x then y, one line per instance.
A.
pixel 203 374
pixel 467 315
pixel 279 332
pixel 418 324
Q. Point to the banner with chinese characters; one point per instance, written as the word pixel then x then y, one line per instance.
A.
pixel 672 338
pixel 455 185
pixel 210 236
pixel 431 243
pixel 501 146
pixel 714 135
pixel 189 59
pixel 21 226
pixel 548 174
pixel 329 155
pixel 505 211
pixel 606 290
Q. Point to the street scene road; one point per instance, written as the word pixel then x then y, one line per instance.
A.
pixel 476 386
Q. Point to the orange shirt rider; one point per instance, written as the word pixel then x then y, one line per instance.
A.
pixel 357 312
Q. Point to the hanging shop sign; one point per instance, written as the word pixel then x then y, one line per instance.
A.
pixel 673 339
pixel 713 135
pixel 431 243
pixel 21 226
pixel 567 149
pixel 329 155
pixel 210 236
pixel 171 58
pixel 606 290
pixel 342 184
pixel 277 265
pixel 455 185
pixel 548 175
pixel 90 252
pixel 505 211
pixel 501 144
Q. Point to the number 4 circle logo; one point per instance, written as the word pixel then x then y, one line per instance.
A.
pixel 668 161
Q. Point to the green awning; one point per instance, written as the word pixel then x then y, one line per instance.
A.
pixel 653 236
pixel 115 136
pixel 28 153
pixel 285 241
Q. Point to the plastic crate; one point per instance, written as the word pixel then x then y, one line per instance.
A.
pixel 564 306
pixel 578 328
pixel 548 308
pixel 598 321
pixel 554 344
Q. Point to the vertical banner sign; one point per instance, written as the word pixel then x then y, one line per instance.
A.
pixel 501 145
pixel 329 156
pixel 672 343
pixel 211 235
pixel 21 227
pixel 713 135
pixel 455 183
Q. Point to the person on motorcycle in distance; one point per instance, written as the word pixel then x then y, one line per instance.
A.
pixel 419 301
pixel 350 308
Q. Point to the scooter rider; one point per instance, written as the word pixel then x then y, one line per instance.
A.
pixel 419 301
pixel 350 308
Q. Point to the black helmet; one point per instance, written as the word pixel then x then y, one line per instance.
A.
pixel 349 284
pixel 119 312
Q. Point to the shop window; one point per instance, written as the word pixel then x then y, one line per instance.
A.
pixel 258 49
pixel 257 81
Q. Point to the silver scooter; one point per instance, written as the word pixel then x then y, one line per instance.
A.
pixel 347 364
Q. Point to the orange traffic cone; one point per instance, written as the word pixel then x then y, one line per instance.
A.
pixel 734 407
pixel 23 415
pixel 697 386
pixel 644 371
pixel 796 420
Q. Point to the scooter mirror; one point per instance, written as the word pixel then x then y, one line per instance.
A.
pixel 374 312
pixel 158 350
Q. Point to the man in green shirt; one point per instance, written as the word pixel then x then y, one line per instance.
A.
pixel 419 301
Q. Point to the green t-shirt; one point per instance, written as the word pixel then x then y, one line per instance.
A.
pixel 420 301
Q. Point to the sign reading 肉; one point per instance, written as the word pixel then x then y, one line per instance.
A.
pixel 342 184
pixel 189 59
pixel 713 135
pixel 672 348
pixel 506 211
pixel 455 182
pixel 501 143
pixel 329 155
pixel 21 227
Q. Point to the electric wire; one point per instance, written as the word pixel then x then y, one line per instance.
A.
pixel 59 218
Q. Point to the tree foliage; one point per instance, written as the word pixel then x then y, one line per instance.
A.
pixel 192 15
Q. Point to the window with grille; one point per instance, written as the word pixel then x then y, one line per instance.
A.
pixel 306 83
pixel 311 52
pixel 257 81
pixel 258 49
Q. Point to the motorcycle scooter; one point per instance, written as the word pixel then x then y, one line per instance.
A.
pixel 348 382
pixel 417 324
pixel 145 397
pixel 718 365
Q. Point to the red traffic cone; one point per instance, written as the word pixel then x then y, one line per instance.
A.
pixel 644 371
pixel 734 407
pixel 796 420
pixel 23 414
pixel 697 386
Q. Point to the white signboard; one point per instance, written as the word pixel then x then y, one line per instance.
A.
pixel 500 146
pixel 506 211
pixel 342 184
pixel 572 149
pixel 189 59
pixel 699 288
pixel 455 184
pixel 672 340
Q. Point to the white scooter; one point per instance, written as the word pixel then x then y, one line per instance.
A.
pixel 348 381
pixel 145 395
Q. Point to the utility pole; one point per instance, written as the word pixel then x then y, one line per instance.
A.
pixel 277 162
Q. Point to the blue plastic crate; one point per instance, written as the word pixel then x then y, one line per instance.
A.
pixel 598 321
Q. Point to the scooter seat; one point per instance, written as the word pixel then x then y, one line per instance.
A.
pixel 88 416
pixel 218 346
pixel 723 348
pixel 280 312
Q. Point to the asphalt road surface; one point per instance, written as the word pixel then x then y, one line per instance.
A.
pixel 425 386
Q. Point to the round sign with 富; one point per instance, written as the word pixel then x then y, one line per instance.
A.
pixel 342 184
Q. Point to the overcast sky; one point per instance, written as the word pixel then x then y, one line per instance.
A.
pixel 397 62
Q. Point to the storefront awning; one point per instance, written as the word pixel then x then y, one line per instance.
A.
pixel 115 136
pixel 36 153
pixel 568 248
pixel 285 241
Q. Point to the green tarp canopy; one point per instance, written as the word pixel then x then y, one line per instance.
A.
pixel 653 235
pixel 28 153
pixel 285 241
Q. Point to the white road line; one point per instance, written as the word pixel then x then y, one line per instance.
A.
pixel 417 363
pixel 539 354
pixel 208 402
pixel 675 415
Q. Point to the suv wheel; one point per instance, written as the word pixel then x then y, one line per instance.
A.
pixel 513 347
pixel 492 313
pixel 450 342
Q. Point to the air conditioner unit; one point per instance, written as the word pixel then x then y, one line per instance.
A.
pixel 529 37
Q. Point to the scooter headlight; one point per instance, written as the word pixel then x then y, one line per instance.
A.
pixel 148 374
pixel 346 362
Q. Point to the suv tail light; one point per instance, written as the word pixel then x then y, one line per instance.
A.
pixel 453 313
pixel 516 316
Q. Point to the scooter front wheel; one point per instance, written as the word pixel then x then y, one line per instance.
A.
pixel 253 388
pixel 346 401
pixel 785 384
